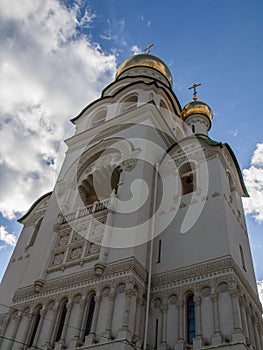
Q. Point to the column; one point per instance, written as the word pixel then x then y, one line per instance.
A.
pixel 91 337
pixel 15 329
pixel 260 325
pixel 257 336
pixel 82 305
pixel 197 342
pixel 65 327
pixel 244 318
pixel 180 304
pixel 250 328
pixel 126 314
pixel 138 318
pixel 6 323
pixel 39 328
pixel 51 327
pixel 198 327
pixel 125 331
pixel 112 297
pixel 164 326
pixel 216 338
pixel 237 334
pixel 28 317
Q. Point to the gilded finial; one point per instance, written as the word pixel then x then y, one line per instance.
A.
pixel 195 92
pixel 148 48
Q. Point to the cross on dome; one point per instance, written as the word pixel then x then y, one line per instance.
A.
pixel 195 92
pixel 148 48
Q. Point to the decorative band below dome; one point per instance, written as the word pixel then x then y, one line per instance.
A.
pixel 197 107
pixel 145 60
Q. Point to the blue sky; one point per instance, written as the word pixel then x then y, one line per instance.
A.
pixel 57 56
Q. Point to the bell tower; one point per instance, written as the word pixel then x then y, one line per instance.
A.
pixel 142 244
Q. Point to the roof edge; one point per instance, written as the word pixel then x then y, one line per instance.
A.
pixel 33 206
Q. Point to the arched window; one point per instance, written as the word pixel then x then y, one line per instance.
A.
pixel 100 184
pixel 61 320
pixel 190 319
pixel 89 317
pixel 34 327
pixel 188 177
pixel 35 232
pixel 99 117
pixel 129 103
pixel 163 104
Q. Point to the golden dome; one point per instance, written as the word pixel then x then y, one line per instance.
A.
pixel 197 107
pixel 145 60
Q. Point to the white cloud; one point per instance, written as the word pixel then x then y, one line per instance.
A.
pixel 260 291
pixel 253 177
pixel 49 71
pixel 233 132
pixel 136 50
pixel 7 238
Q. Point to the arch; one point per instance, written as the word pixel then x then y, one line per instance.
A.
pixel 222 286
pixel 99 117
pixel 128 103
pixel 61 319
pixel 34 326
pixel 89 313
pixel 187 172
pixel 121 287
pixel 205 290
pixel 163 105
pixel 99 185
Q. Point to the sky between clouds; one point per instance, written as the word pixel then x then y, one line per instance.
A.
pixel 55 58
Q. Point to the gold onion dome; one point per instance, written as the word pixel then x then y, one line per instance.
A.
pixel 145 60
pixel 197 107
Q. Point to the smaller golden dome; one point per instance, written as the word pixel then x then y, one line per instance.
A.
pixel 145 60
pixel 197 107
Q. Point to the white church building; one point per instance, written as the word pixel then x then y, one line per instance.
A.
pixel 142 244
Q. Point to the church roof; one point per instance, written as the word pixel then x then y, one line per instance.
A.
pixel 33 206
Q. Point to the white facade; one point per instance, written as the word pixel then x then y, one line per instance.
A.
pixel 79 275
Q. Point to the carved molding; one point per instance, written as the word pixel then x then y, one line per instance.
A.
pixel 119 272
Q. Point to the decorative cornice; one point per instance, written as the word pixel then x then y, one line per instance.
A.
pixel 223 268
pixel 119 269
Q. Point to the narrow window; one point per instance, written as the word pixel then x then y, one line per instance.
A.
pixel 242 258
pixel 34 235
pixel 159 252
pixel 89 317
pixel 156 334
pixel 34 326
pixel 187 176
pixel 193 128
pixel 190 319
pixel 61 321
